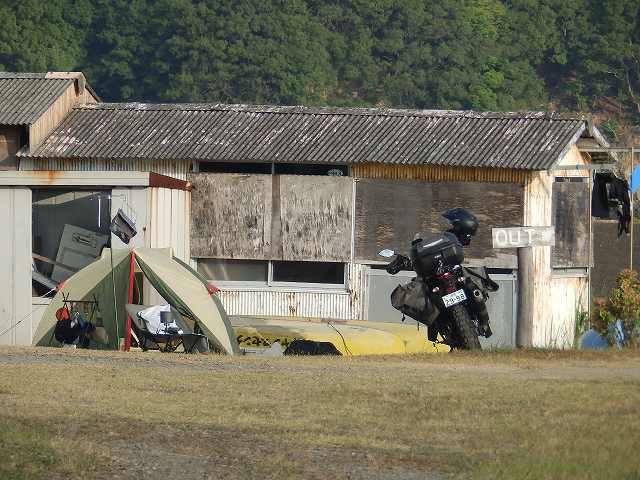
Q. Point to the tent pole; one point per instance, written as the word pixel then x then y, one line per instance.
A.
pixel 115 301
pixel 632 212
pixel 127 332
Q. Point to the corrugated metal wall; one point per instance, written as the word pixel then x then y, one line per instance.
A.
pixel 171 168
pixel 134 202
pixel 287 303
pixel 345 304
pixel 16 324
pixel 438 173
pixel 169 220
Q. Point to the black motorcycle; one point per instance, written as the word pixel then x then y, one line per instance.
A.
pixel 445 296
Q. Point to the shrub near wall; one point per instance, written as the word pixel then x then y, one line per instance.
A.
pixel 623 304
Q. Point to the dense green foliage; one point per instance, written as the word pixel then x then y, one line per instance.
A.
pixel 480 54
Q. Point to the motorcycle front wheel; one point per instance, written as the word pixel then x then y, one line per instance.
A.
pixel 465 329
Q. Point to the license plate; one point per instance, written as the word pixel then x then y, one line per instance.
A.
pixel 454 298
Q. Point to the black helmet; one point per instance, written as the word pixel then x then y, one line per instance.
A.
pixel 464 223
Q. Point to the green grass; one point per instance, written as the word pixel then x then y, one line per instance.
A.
pixel 532 414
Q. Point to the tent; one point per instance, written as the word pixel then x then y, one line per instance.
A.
pixel 181 286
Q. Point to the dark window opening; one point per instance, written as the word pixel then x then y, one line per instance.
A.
pixel 69 230
pixel 233 167
pixel 309 272
pixel 571 179
pixel 310 169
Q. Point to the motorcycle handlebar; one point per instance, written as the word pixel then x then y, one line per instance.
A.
pixel 399 263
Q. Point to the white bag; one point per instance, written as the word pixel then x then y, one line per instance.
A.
pixel 151 316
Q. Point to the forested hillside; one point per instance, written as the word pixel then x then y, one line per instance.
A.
pixel 476 54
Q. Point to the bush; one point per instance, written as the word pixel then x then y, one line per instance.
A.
pixel 623 304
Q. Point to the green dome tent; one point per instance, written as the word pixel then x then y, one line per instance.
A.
pixel 181 286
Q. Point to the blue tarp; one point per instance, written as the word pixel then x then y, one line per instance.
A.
pixel 593 340
pixel 635 179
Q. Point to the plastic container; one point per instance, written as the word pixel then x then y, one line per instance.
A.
pixel 428 254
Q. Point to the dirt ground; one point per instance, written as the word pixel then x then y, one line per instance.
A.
pixel 526 414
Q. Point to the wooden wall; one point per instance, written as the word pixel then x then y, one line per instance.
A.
pixel 265 217
pixel 611 255
pixel 315 215
pixel 571 220
pixel 75 94
pixel 9 145
pixel 390 212
pixel 231 216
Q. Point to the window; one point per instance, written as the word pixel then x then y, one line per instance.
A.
pixel 309 272
pixel 234 167
pixel 275 168
pixel 273 273
pixel 233 270
pixel 310 169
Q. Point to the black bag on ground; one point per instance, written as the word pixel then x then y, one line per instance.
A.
pixel 412 300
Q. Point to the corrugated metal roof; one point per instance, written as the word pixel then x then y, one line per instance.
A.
pixel 26 96
pixel 249 133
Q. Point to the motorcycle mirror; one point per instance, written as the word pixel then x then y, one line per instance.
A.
pixel 386 253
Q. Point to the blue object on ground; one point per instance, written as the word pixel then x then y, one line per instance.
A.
pixel 593 340
pixel 635 179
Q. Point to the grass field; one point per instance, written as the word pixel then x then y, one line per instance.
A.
pixel 82 414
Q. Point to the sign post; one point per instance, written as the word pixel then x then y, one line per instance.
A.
pixel 524 239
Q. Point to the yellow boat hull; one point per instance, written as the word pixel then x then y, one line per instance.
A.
pixel 349 337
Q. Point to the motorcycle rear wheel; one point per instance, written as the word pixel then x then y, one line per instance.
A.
pixel 465 329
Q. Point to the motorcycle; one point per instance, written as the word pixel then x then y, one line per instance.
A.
pixel 445 296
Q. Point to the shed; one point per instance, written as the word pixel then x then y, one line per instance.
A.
pixel 44 209
pixel 291 204
pixel 32 104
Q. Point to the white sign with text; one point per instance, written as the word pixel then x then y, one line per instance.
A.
pixel 518 237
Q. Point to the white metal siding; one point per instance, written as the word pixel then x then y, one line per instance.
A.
pixel 345 304
pixel 170 220
pixel 135 203
pixel 287 303
pixel 15 266
pixel 171 168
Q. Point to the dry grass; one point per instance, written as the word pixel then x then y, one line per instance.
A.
pixel 529 414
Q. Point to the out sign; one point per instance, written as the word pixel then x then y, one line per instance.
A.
pixel 519 237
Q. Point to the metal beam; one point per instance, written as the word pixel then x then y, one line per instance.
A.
pixel 591 166
pixel 608 149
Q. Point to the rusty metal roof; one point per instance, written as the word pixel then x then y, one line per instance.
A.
pixel 250 133
pixel 24 97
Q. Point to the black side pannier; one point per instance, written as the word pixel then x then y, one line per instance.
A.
pixel 412 300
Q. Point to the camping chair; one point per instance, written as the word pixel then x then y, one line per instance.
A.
pixel 165 342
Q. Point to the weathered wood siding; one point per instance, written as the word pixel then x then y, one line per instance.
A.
pixel 315 217
pixel 390 212
pixel 265 217
pixel 9 145
pixel 571 220
pixel 231 216
pixel 76 94
pixel 569 297
pixel 611 255
pixel 538 213
pixel 438 173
